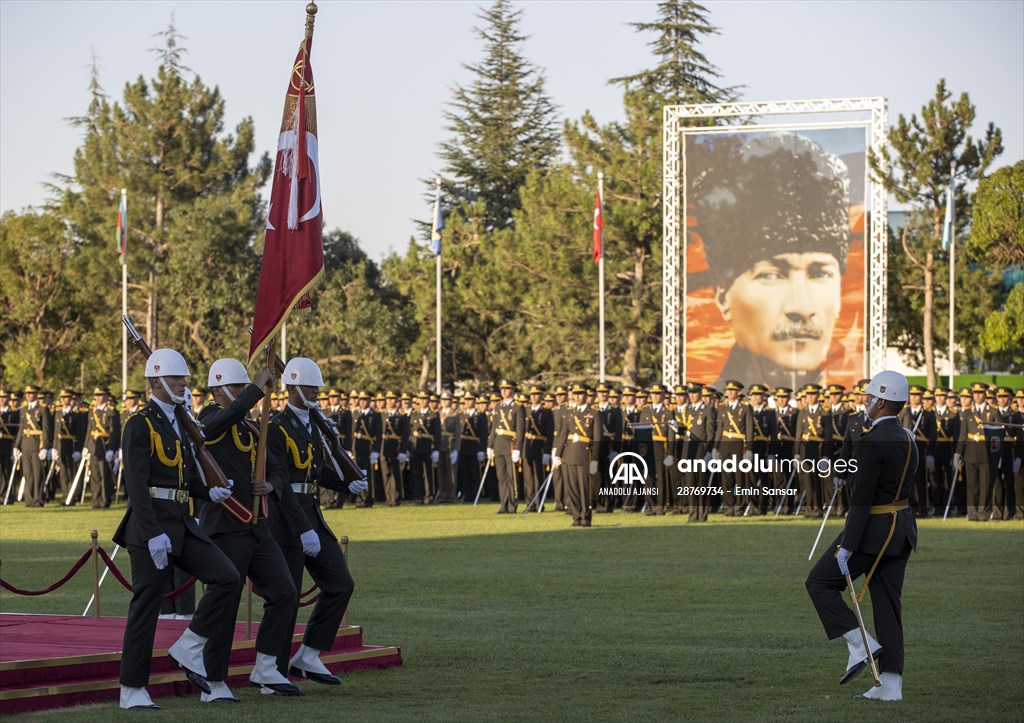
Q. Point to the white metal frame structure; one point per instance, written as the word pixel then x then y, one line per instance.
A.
pixel 674 213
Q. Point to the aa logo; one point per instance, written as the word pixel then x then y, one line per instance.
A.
pixel 627 468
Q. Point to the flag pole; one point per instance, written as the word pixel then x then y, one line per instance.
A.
pixel 437 188
pixel 952 266
pixel 600 273
pixel 124 295
pixel 284 346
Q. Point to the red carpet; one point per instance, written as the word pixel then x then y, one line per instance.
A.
pixel 53 661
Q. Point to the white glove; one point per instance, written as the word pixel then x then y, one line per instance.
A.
pixel 453 457
pixel 76 456
pixel 479 456
pixel 839 482
pixel 708 457
pixel 435 456
pixel 219 494
pixel 957 459
pixel 310 543
pixel 159 549
pixel 1016 465
pixel 669 459
pixel 358 486
pixel 929 462
pixel 715 454
pixel 231 484
pixel 556 461
pixel 110 456
pixel 516 454
pixel 402 457
pixel 43 453
pixel 593 466
pixel 490 453
pixel 545 459
pixel 52 454
pixel 771 457
pixel 16 456
pixel 374 456
pixel 748 456
pixel 843 557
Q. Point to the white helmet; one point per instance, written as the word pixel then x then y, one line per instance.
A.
pixel 300 371
pixel 887 385
pixel 166 363
pixel 227 371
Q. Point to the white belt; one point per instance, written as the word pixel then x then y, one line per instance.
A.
pixel 304 488
pixel 169 493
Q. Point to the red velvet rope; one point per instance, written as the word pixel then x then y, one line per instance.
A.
pixel 309 602
pixel 71 573
pixel 128 586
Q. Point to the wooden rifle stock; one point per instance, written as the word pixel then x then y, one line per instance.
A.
pixel 349 469
pixel 211 470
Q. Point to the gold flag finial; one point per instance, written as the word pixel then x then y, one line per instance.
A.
pixel 310 18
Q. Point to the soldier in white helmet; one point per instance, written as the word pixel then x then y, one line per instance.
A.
pixel 305 539
pixel 232 440
pixel 158 530
pixel 876 541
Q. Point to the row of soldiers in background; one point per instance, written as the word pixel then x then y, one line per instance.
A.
pixel 434 448
pixel 431 448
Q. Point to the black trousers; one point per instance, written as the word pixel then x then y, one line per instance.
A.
pixel 533 478
pixel 578 492
pixel 330 572
pixel 828 591
pixel 32 469
pixel 183 604
pixel 979 489
pixel 199 558
pixel 423 488
pixel 657 481
pixel 1003 496
pixel 392 474
pixel 506 482
pixel 66 474
pixel 258 557
pixel 732 504
pixel 469 476
pixel 102 481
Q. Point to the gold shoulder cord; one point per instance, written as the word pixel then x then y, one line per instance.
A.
pixel 156 444
pixel 294 450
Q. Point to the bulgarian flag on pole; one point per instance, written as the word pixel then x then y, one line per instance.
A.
pixel 293 253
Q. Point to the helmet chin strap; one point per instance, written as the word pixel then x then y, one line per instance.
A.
pixel 176 400
pixel 229 395
pixel 308 404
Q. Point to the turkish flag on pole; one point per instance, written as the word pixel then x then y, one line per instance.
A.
pixel 598 230
pixel 293 254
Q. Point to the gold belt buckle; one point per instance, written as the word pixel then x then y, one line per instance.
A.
pixel 181 496
pixel 314 489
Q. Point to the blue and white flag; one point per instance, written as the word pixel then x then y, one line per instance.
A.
pixel 438 225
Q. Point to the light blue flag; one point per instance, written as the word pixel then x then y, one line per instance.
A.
pixel 435 231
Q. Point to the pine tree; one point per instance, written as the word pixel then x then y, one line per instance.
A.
pixel 195 213
pixel 503 124
pixel 918 175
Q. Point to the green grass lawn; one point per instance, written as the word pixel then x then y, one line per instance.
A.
pixel 524 618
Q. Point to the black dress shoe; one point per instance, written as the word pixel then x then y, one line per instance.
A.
pixel 144 707
pixel 279 688
pixel 853 672
pixel 315 677
pixel 193 677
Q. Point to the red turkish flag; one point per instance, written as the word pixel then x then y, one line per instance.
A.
pixel 293 254
pixel 598 229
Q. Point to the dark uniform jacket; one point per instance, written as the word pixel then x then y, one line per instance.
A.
pixel 922 424
pixel 786 444
pixel 302 456
pixel 508 429
pixel 540 432
pixel 154 456
pixel 735 424
pixel 947 431
pixel 365 432
pixel 578 440
pixel 972 444
pixel 103 431
pixel 425 432
pixel 886 462
pixel 394 434
pixel 764 427
pixel 473 432
pixel 35 429
pixel 232 440
pixel 66 433
pixel 811 432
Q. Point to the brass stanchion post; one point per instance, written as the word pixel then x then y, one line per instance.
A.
pixel 344 552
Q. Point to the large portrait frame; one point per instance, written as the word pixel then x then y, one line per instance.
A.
pixel 754 118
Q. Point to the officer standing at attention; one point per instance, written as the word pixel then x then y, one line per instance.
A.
pixel 505 445
pixel 876 541
pixel 158 530
pixel 577 444
pixel 32 444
